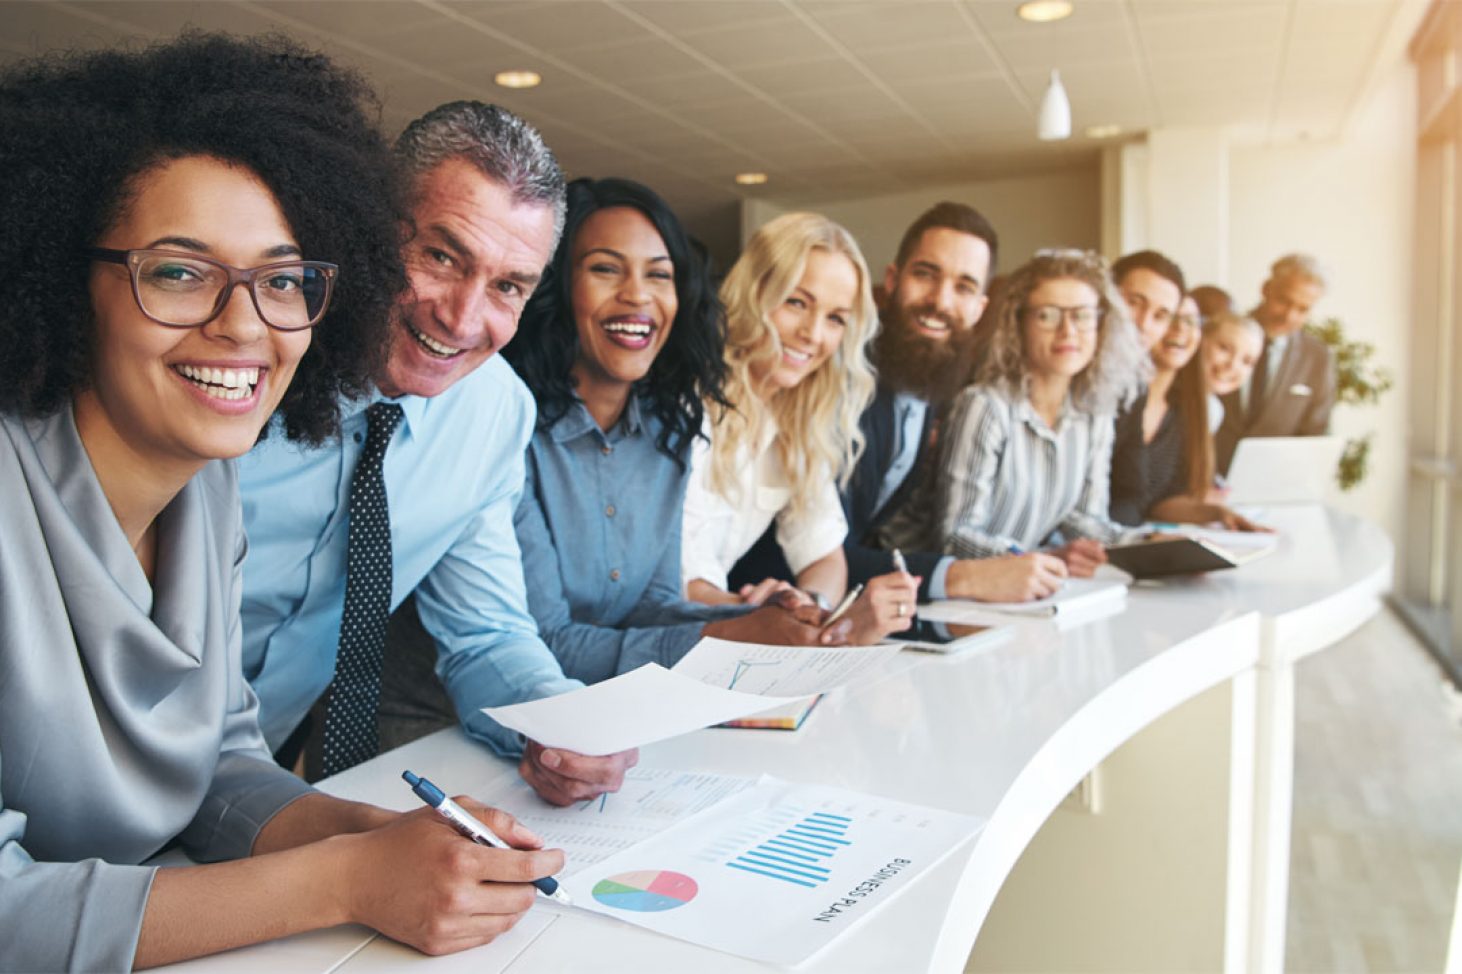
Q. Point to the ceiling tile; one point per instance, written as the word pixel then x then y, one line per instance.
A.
pixel 1096 45
pixel 647 59
pixel 33 28
pixel 866 26
pixel 165 18
pixel 679 17
pixel 444 42
pixel 564 25
pixel 361 20
pixel 686 90
pixel 749 46
pixel 794 77
pixel 868 105
pixel 958 56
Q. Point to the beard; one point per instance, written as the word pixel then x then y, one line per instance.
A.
pixel 924 367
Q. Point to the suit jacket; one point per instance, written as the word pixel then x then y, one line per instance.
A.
pixel 1297 399
pixel 866 560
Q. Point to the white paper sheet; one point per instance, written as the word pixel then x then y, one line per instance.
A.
pixel 781 671
pixel 652 703
pixel 651 801
pixel 775 873
pixel 640 707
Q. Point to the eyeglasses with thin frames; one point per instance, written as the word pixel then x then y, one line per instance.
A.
pixel 1048 317
pixel 182 290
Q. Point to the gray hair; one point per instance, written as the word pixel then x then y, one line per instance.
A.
pixel 503 146
pixel 1301 267
pixel 1120 367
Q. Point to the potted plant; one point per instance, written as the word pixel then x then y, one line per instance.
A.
pixel 1359 381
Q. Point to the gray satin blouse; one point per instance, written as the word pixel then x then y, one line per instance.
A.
pixel 125 721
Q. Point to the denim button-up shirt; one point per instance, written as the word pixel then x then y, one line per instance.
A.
pixel 599 527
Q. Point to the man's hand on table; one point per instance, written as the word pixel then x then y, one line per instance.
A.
pixel 563 777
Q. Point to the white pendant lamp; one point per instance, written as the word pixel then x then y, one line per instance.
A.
pixel 1055 121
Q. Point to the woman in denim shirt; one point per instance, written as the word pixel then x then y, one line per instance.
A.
pixel 621 347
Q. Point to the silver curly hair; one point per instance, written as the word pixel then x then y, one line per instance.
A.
pixel 1120 368
pixel 503 146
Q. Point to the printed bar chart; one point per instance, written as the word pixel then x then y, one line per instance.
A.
pixel 797 854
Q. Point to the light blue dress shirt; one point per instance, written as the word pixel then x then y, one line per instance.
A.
pixel 454 474
pixel 599 525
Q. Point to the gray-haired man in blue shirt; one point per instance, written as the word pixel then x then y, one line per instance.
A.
pixel 441 447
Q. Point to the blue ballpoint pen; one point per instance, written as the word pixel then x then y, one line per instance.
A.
pixel 473 829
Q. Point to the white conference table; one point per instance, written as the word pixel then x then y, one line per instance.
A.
pixel 1005 735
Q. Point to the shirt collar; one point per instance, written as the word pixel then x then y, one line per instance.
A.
pixel 578 422
pixel 413 408
pixel 1033 419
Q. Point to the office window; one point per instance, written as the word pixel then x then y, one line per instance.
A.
pixel 1429 572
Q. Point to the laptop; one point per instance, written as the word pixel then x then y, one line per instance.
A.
pixel 1284 469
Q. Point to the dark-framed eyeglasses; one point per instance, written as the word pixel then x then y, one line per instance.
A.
pixel 1048 317
pixel 182 290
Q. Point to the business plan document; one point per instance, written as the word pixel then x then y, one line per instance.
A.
pixel 651 801
pixel 718 680
pixel 776 872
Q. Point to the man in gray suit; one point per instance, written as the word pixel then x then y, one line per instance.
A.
pixel 1293 387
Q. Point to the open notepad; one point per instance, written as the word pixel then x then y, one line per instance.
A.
pixel 1076 595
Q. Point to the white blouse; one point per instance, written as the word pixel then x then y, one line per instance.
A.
pixel 717 531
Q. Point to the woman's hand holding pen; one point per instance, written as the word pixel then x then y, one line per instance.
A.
pixel 885 606
pixel 420 882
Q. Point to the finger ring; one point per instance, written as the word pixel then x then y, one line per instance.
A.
pixel 901 610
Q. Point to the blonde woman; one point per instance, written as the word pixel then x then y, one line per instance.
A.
pixel 1026 451
pixel 800 316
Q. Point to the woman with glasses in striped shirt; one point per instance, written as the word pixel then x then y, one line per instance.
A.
pixel 1025 452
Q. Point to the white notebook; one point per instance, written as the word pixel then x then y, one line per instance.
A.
pixel 1075 595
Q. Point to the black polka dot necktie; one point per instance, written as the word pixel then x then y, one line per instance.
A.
pixel 350 709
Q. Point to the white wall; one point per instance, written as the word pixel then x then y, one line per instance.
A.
pixel 1350 203
pixel 1043 210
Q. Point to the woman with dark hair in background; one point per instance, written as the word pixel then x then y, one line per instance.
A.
pixel 186 230
pixel 622 350
pixel 1177 469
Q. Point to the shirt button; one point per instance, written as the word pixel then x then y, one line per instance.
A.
pixel 360 437
pixel 614 575
pixel 606 449
pixel 609 511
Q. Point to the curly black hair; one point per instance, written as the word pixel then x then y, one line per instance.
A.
pixel 80 129
pixel 689 371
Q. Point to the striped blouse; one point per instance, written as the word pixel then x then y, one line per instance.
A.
pixel 1007 480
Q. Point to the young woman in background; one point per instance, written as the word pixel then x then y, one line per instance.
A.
pixel 800 316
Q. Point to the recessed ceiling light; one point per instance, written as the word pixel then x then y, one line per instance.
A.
pixel 1044 11
pixel 518 79
pixel 1103 131
pixel 751 178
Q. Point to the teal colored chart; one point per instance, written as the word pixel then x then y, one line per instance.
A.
pixel 646 890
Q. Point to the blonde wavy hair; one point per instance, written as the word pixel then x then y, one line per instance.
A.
pixel 817 421
pixel 1117 372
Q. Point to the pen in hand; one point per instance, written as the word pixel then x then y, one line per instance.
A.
pixel 473 829
pixel 843 606
pixel 899 565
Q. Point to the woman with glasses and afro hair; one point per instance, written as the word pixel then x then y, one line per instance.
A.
pixel 196 237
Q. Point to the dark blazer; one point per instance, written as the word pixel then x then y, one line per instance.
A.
pixel 1297 399
pixel 860 506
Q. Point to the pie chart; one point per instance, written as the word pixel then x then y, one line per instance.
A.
pixel 646 890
